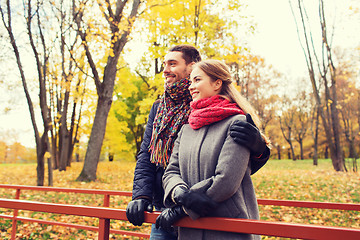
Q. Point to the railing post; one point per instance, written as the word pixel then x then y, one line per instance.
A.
pixel 14 220
pixel 106 200
pixel 104 223
pixel 104 229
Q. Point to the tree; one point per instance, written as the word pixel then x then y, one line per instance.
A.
pixel 128 114
pixel 287 123
pixel 302 119
pixel 66 87
pixel 119 27
pixel 54 48
pixel 41 60
pixel 314 128
pixel 327 106
pixel 255 77
pixel 277 140
pixel 201 23
pixel 348 103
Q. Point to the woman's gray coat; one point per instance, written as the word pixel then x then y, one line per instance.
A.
pixel 208 160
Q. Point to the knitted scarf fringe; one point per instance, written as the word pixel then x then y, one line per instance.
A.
pixel 159 152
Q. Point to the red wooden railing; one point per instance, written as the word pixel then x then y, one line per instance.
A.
pixel 104 214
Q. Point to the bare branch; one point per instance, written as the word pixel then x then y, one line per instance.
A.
pixel 120 4
pixel 77 16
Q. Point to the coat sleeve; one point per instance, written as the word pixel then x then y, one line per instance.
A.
pixel 172 176
pixel 258 162
pixel 231 167
pixel 145 171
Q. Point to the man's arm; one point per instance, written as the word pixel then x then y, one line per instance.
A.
pixel 145 171
pixel 144 177
pixel 248 135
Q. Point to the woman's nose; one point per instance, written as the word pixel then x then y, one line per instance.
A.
pixel 191 86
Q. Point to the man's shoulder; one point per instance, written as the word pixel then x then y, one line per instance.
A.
pixel 156 103
pixel 155 106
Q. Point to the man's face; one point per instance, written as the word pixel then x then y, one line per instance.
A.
pixel 175 68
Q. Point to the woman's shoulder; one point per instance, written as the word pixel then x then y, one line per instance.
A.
pixel 240 117
pixel 227 122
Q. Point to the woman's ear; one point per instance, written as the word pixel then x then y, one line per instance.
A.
pixel 218 84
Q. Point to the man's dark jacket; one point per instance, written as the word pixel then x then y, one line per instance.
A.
pixel 148 176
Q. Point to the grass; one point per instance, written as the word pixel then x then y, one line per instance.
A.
pixel 278 179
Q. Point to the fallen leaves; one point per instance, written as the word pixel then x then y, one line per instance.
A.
pixel 284 180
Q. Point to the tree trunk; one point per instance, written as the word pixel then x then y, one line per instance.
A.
pixel 73 134
pixel 41 147
pixel 289 153
pixel 40 169
pixel 292 151
pixel 326 152
pixel 70 153
pixel 278 147
pixel 338 158
pixel 316 137
pixel 352 149
pixel 64 151
pixel 50 172
pixel 301 150
pixel 54 151
pixel 354 167
pixel 95 142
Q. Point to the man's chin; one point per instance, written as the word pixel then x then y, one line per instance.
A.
pixel 168 82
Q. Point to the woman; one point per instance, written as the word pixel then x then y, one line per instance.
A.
pixel 206 163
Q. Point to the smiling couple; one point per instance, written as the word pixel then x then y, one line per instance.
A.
pixel 199 149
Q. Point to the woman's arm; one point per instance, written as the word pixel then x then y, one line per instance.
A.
pixel 231 167
pixel 172 177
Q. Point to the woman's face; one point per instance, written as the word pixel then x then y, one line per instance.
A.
pixel 202 86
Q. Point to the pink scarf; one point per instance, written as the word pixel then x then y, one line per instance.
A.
pixel 209 110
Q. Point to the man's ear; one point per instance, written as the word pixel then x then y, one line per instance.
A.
pixel 191 65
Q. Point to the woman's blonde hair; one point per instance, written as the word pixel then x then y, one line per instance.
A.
pixel 216 69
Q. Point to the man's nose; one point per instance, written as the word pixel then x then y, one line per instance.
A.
pixel 166 68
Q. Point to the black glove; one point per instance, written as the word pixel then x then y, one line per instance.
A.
pixel 248 135
pixel 200 203
pixel 135 210
pixel 168 217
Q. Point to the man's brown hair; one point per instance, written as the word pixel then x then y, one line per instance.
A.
pixel 189 53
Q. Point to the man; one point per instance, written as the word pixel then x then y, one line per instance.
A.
pixel 166 118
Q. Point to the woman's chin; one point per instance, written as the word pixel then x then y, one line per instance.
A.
pixel 195 98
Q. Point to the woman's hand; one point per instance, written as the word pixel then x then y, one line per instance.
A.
pixel 168 217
